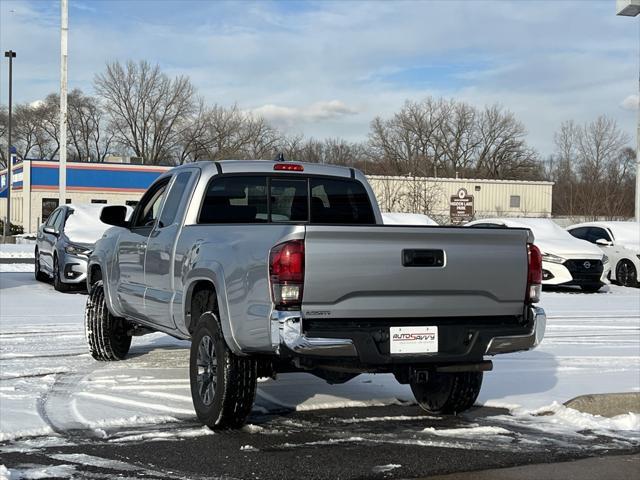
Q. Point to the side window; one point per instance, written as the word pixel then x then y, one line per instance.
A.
pixel 52 218
pixel 235 200
pixel 149 207
pixel 172 203
pixel 596 233
pixel 59 221
pixel 580 233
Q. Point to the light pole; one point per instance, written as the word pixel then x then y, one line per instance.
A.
pixel 62 164
pixel 631 8
pixel 7 224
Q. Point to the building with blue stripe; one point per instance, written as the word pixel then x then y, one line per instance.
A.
pixel 35 187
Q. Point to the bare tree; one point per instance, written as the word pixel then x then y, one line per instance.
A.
pixel 593 170
pixel 503 152
pixel 26 131
pixel 89 137
pixel 147 109
pixel 444 138
pixel 459 139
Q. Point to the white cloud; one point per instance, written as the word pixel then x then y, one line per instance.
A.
pixel 316 112
pixel 631 102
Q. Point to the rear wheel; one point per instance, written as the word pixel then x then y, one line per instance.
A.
pixel 223 385
pixel 106 335
pixel 58 284
pixel 40 275
pixel 626 273
pixel 448 393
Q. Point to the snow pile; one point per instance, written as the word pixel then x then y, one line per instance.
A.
pixel 5 474
pixel 386 468
pixel 163 435
pixel 392 218
pixel 558 419
pixel 467 432
pixel 16 268
pixel 8 250
pixel 53 471
pixel 626 234
pixel 549 236
pixel 84 225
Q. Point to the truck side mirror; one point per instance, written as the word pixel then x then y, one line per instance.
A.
pixel 115 215
pixel 604 243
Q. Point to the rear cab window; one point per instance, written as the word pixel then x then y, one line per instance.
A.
pixel 285 199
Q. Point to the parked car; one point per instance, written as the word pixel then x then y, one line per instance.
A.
pixel 272 267
pixel 565 259
pixel 394 218
pixel 620 241
pixel 65 240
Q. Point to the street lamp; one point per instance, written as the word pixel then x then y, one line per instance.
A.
pixel 631 8
pixel 7 224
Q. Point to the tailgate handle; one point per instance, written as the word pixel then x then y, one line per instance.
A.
pixel 422 258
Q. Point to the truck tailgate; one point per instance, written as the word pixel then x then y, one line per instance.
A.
pixel 397 271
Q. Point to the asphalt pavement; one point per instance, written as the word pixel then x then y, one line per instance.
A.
pixel 359 443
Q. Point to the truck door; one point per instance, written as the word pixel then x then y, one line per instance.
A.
pixel 132 246
pixel 159 264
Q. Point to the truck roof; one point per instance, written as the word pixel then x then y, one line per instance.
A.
pixel 267 166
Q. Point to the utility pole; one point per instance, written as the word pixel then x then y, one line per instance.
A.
pixel 631 8
pixel 64 32
pixel 7 224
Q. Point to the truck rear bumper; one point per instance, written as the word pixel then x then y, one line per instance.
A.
pixel 517 343
pixel 462 341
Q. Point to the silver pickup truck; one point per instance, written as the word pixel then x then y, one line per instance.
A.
pixel 272 267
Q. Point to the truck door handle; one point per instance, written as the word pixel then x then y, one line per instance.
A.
pixel 422 258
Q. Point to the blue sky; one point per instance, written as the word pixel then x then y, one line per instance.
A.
pixel 327 68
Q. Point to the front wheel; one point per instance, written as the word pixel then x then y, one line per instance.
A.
pixel 626 274
pixel 58 284
pixel 106 335
pixel 40 275
pixel 448 393
pixel 223 385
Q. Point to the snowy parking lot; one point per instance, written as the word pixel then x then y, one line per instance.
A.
pixel 52 391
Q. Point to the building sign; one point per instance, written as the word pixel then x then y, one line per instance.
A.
pixel 461 207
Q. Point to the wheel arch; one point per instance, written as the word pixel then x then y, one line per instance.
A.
pixel 212 280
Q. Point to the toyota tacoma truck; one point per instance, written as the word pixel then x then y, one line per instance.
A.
pixel 274 266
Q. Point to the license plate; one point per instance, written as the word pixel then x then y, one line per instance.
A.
pixel 413 339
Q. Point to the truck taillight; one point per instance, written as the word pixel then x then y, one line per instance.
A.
pixel 286 272
pixel 534 276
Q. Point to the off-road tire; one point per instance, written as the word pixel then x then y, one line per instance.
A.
pixel 39 274
pixel 106 335
pixel 231 400
pixel 626 274
pixel 58 284
pixel 448 393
